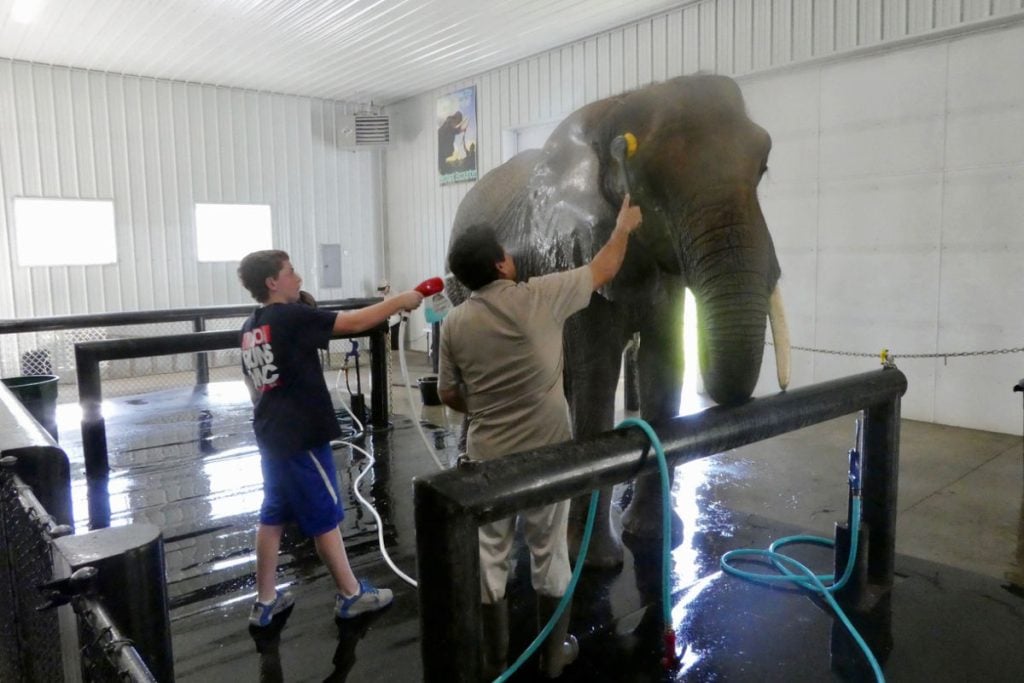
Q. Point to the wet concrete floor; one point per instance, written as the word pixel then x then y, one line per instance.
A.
pixel 185 460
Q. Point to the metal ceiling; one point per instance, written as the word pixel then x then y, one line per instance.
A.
pixel 369 51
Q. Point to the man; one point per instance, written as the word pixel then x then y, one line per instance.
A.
pixel 294 422
pixel 501 362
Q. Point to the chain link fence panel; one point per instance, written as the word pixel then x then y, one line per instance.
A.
pixel 30 647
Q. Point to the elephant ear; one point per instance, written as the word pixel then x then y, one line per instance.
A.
pixel 571 216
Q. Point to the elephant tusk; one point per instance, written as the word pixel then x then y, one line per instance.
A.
pixel 780 336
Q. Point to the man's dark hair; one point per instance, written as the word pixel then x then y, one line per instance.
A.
pixel 474 256
pixel 256 267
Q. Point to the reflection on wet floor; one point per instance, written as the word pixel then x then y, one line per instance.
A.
pixel 185 460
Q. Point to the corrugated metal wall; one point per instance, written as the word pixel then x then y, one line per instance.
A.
pixel 734 37
pixel 158 147
pixel 752 39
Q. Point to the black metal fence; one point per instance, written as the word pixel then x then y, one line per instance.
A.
pixel 46 346
pixel 115 583
pixel 28 649
pixel 90 355
pixel 451 505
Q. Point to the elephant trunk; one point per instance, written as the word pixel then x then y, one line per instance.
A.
pixel 732 313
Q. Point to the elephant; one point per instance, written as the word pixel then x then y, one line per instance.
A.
pixel 687 153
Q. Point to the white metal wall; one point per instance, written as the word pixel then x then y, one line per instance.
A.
pixel 862 102
pixel 895 196
pixel 156 148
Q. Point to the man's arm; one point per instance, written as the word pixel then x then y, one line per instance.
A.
pixel 354 322
pixel 609 259
pixel 454 399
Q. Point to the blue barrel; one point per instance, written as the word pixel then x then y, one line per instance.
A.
pixel 38 393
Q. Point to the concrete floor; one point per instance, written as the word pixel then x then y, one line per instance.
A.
pixel 185 461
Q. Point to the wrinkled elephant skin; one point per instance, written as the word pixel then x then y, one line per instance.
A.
pixel 694 172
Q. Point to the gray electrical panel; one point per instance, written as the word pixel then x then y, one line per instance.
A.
pixel 330 265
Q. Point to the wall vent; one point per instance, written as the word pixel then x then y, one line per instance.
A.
pixel 365 130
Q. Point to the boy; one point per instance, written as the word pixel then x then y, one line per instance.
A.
pixel 294 422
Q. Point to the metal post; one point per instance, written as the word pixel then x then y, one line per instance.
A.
pixel 131 586
pixel 90 398
pixel 435 347
pixel 379 377
pixel 202 362
pixel 881 463
pixel 449 588
pixel 450 504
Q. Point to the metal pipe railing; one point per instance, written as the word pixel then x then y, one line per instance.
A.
pixel 88 356
pixel 70 322
pixel 451 505
pixel 115 650
pixel 198 315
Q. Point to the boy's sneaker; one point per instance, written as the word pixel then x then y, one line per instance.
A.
pixel 369 599
pixel 263 613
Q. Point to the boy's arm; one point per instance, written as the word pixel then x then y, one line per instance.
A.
pixel 354 322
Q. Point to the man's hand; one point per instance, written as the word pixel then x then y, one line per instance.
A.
pixel 454 399
pixel 629 218
pixel 608 260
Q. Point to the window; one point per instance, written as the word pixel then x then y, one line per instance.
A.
pixel 64 232
pixel 227 232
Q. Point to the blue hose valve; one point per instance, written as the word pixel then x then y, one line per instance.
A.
pixel 855 483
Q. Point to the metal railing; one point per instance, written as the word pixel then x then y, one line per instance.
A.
pixel 27 649
pixel 45 346
pixel 451 505
pixel 89 355
pixel 111 636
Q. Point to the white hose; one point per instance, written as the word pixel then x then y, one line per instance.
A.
pixel 412 403
pixel 366 504
pixel 371 460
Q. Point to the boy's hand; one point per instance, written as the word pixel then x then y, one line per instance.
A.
pixel 410 300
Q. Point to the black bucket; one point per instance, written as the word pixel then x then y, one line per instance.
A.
pixel 38 393
pixel 428 391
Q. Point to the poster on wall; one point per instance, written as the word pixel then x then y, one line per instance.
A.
pixel 456 136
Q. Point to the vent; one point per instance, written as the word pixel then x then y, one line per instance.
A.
pixel 365 130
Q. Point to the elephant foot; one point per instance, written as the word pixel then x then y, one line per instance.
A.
pixel 605 549
pixel 643 522
pixel 604 552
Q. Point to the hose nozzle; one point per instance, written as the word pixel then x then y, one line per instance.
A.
pixel 671 660
pixel 430 287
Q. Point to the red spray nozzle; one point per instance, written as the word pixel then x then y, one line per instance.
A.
pixel 671 660
pixel 430 287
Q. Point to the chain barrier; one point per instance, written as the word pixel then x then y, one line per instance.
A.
pixel 886 354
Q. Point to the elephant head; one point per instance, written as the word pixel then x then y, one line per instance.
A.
pixel 692 159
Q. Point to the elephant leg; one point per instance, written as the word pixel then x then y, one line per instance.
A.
pixel 660 365
pixel 593 352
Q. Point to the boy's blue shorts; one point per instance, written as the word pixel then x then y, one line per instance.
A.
pixel 302 488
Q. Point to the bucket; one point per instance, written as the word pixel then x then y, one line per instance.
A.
pixel 428 391
pixel 38 393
